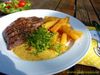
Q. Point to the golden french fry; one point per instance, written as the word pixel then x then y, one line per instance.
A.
pixel 49 24
pixel 79 33
pixel 73 35
pixel 67 19
pixel 54 38
pixel 62 26
pixel 64 39
pixel 50 18
pixel 68 25
pixel 66 29
pixel 58 25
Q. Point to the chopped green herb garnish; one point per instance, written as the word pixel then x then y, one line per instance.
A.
pixel 40 39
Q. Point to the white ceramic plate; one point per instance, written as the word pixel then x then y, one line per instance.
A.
pixel 12 65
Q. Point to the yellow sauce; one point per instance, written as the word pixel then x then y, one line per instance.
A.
pixel 25 54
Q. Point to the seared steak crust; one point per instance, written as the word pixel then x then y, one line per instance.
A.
pixel 15 34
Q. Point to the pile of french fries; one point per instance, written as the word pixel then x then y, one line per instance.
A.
pixel 62 29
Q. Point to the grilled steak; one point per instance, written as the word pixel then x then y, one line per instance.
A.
pixel 15 34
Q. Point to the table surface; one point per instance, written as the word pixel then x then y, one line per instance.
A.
pixel 84 10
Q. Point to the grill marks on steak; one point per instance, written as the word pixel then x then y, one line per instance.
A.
pixel 15 34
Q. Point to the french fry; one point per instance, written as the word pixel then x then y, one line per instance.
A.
pixel 58 25
pixel 50 18
pixel 69 31
pixel 66 29
pixel 64 39
pixel 79 33
pixel 63 42
pixel 54 38
pixel 60 31
pixel 73 35
pixel 49 24
pixel 67 19
pixel 68 25
pixel 63 28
